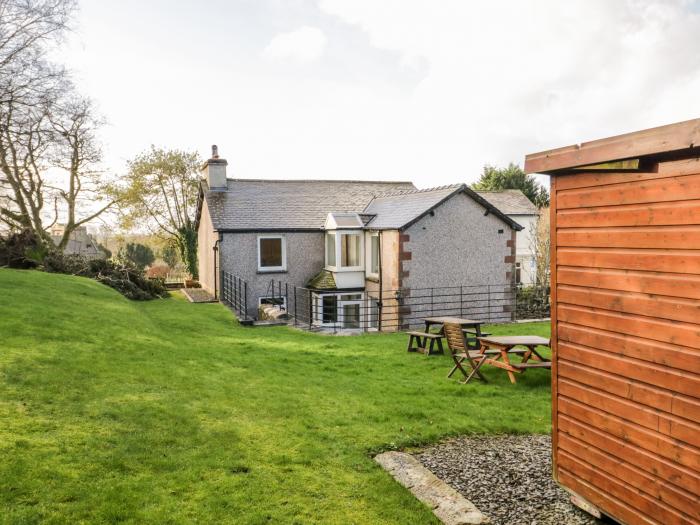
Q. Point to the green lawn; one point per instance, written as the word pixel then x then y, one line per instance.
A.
pixel 166 411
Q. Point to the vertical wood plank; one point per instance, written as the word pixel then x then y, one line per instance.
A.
pixel 553 309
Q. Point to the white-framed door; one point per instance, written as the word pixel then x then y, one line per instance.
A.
pixel 350 314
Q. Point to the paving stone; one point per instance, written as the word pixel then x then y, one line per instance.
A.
pixel 448 505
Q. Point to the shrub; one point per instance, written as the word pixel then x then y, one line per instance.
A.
pixel 158 271
pixel 532 302
pixel 126 278
pixel 21 250
pixel 136 254
pixel 24 250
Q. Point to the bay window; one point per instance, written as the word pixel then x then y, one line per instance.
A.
pixel 350 250
pixel 344 250
pixel 330 249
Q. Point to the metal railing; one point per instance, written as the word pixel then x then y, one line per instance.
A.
pixel 234 293
pixel 405 309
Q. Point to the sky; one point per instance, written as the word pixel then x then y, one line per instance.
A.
pixel 426 91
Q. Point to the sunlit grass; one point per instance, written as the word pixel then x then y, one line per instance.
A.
pixel 167 411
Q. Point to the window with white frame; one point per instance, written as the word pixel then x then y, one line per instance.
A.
pixel 350 250
pixel 374 254
pixel 275 301
pixel 329 305
pixel 272 256
pixel 330 249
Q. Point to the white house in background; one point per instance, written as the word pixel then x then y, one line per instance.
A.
pixel 518 207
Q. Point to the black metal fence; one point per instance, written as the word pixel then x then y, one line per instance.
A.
pixel 404 309
pixel 234 293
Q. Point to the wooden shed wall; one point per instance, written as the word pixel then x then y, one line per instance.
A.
pixel 626 333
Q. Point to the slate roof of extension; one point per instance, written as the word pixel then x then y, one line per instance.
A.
pixel 510 202
pixel 254 204
pixel 398 210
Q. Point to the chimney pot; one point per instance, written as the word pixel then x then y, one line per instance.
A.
pixel 214 171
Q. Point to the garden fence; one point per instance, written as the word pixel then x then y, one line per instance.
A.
pixel 234 293
pixel 403 309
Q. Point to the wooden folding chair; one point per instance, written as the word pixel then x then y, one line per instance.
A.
pixel 461 353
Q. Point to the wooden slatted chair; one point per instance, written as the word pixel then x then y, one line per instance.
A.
pixel 461 353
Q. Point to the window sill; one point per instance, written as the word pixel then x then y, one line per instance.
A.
pixel 372 278
pixel 272 271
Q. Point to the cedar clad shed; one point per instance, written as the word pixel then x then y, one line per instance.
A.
pixel 625 231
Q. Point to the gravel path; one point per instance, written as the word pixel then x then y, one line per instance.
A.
pixel 508 478
pixel 198 295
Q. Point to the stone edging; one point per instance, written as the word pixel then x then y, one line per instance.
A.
pixel 447 504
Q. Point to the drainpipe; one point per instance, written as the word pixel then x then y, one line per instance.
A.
pixel 379 321
pixel 216 253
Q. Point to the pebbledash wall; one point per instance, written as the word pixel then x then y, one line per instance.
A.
pixel 239 256
pixel 471 248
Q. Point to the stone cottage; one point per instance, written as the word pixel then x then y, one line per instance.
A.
pixel 80 242
pixel 349 243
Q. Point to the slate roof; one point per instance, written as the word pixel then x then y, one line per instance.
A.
pixel 510 202
pixel 254 204
pixel 399 210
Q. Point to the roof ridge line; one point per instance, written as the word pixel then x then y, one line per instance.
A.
pixel 345 181
pixel 423 190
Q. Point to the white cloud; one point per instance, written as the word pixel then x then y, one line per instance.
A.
pixel 305 44
pixel 506 78
pixel 404 89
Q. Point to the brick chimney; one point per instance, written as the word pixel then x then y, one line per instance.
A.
pixel 214 171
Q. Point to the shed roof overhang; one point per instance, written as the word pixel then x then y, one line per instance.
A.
pixel 671 141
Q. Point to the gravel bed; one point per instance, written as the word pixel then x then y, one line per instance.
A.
pixel 508 478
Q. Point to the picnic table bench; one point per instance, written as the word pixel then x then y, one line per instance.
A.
pixel 418 342
pixel 499 348
pixel 426 341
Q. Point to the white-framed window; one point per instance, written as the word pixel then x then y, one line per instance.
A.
pixel 345 250
pixel 277 301
pixel 330 249
pixel 374 254
pixel 272 253
pixel 373 313
pixel 350 249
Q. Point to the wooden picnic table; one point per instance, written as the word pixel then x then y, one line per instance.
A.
pixel 501 347
pixel 469 326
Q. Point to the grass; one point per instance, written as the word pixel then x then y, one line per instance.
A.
pixel 170 412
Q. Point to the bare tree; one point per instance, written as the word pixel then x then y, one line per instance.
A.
pixel 25 28
pixel 45 126
pixel 540 245
pixel 24 147
pixel 77 152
